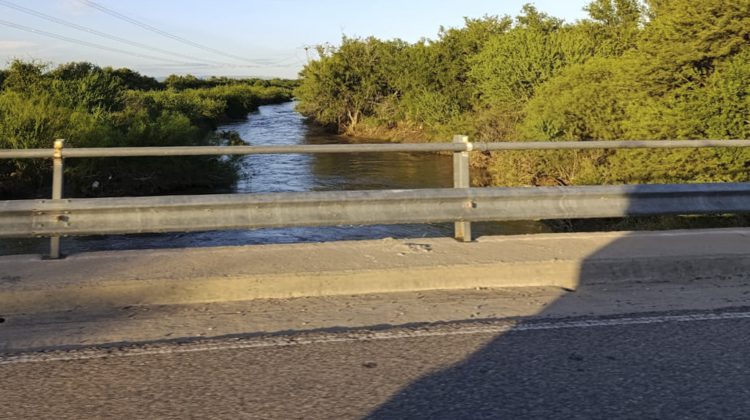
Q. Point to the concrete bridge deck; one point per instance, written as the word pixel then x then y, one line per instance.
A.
pixel 95 281
pixel 658 321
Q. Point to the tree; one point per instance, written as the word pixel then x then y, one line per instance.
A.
pixel 586 102
pixel 443 92
pixel 725 109
pixel 452 56
pixel 188 81
pixel 685 39
pixel 85 85
pixel 682 46
pixel 347 83
pixel 616 13
pixel 512 66
pixel 22 76
pixel 133 80
pixel 615 25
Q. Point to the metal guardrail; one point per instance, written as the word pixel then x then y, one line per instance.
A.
pixel 366 148
pixel 462 204
pixel 250 211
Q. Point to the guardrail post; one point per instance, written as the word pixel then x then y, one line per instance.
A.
pixel 57 192
pixel 462 179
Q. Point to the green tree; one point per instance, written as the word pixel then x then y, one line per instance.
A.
pixel 725 108
pixel 188 81
pixel 22 76
pixel 347 83
pixel 512 66
pixel 685 39
pixel 133 80
pixel 86 85
pixel 682 46
pixel 615 24
pixel 586 102
pixel 436 87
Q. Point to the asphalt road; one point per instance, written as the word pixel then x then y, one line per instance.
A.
pixel 657 366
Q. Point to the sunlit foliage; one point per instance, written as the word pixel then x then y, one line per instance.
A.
pixel 659 69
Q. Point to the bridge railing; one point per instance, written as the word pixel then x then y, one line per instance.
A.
pixel 462 204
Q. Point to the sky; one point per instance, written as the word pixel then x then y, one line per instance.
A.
pixel 262 38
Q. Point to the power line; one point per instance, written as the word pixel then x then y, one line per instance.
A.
pixel 286 61
pixel 93 45
pixel 99 33
pixel 153 29
pixel 199 62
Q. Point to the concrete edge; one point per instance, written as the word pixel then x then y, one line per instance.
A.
pixel 536 237
pixel 567 274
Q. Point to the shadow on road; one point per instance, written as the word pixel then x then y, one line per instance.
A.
pixel 658 370
pixel 621 370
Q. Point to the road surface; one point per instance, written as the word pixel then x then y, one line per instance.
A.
pixel 693 364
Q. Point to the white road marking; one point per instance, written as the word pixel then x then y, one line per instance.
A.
pixel 359 336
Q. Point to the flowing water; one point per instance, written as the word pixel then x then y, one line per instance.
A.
pixel 281 125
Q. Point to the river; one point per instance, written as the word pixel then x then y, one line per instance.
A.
pixel 281 125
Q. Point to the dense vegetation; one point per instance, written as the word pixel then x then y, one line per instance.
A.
pixel 663 69
pixel 91 106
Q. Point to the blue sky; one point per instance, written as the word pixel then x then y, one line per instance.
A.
pixel 236 37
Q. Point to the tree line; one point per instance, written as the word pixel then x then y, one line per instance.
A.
pixel 659 69
pixel 90 106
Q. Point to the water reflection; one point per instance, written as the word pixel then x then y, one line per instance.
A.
pixel 281 125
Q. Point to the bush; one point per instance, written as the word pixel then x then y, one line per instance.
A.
pixel 646 70
pixel 93 107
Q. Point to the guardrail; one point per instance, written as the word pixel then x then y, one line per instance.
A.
pixel 461 205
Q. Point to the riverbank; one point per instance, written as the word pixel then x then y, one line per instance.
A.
pixel 490 170
pixel 282 125
pixel 397 133
pixel 91 106
pixel 611 76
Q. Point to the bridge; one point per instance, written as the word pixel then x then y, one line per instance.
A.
pixel 459 325
pixel 462 204
pixel 193 276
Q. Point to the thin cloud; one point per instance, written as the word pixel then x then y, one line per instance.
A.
pixel 15 45
pixel 73 7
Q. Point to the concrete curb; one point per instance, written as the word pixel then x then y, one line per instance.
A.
pixel 129 278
